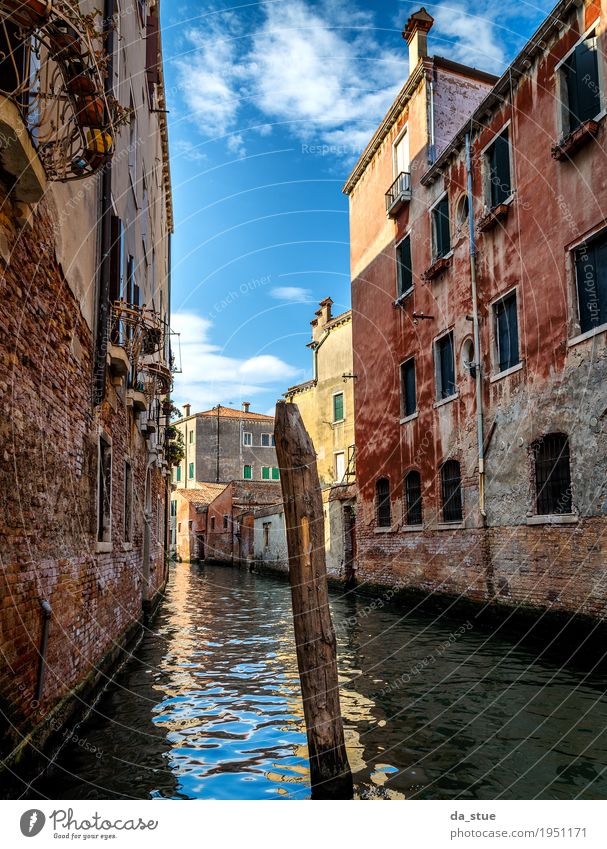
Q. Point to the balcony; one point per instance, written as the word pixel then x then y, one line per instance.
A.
pixel 398 194
pixel 56 120
pixel 137 336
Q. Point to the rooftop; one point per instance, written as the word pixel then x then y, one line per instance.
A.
pixel 229 413
pixel 204 493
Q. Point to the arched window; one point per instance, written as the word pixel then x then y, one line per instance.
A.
pixel 384 513
pixel 413 498
pixel 451 486
pixel 552 474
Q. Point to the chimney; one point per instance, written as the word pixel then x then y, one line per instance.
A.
pixel 415 34
pixel 323 317
pixel 186 410
pixel 245 406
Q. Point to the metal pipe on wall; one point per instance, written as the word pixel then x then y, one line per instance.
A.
pixel 477 343
pixel 47 612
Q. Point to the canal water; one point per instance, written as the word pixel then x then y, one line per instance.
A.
pixel 209 706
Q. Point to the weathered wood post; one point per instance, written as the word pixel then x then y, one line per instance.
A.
pixel 330 773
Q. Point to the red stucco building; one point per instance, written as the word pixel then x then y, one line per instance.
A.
pixel 479 297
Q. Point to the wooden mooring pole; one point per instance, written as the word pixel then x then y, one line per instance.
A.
pixel 315 642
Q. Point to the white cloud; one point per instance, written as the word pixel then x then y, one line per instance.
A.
pixel 316 67
pixel 291 293
pixel 209 377
pixel 472 38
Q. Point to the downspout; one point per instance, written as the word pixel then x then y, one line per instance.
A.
pixel 477 343
pixel 47 612
pixel 432 156
pixel 103 315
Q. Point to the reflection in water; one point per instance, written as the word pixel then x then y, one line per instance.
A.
pixel 210 706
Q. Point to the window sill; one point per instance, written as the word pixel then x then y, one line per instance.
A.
pixel 587 335
pixel 505 373
pixel 449 526
pixel 444 401
pixel 553 519
pixel 410 418
pixel 411 529
pixel 577 139
pixel 127 546
pixel 338 421
pixel 437 268
pixel 389 530
pixel 495 215
pixel 104 547
pixel 402 298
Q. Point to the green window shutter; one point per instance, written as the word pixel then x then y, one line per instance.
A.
pixel 191 470
pixel 403 259
pixel 500 170
pixel 265 473
pixel 275 474
pixel 442 237
pixel 248 473
pixel 338 407
pixel 178 473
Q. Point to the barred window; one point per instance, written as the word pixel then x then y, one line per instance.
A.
pixel 552 474
pixel 451 486
pixel 384 512
pixel 413 498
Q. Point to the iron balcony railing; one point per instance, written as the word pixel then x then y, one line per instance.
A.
pixel 399 193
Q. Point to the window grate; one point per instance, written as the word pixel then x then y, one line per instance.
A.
pixel 451 485
pixel 413 498
pixel 384 512
pixel 552 475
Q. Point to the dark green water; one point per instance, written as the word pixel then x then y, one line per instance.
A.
pixel 209 706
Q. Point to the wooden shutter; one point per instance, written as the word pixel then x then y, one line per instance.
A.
pixel 151 53
pixel 338 407
pixel 275 474
pixel 500 170
pixel 441 228
pixel 405 273
pixel 116 257
pixel 413 494
pixel 408 387
pixel 587 79
pixel 506 321
pixel 446 366
pixel 591 278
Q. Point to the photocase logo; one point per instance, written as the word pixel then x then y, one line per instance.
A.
pixel 32 822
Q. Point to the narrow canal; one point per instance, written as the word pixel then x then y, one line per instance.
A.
pixel 209 706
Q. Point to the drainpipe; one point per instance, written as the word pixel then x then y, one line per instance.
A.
pixel 432 156
pixel 477 343
pixel 47 612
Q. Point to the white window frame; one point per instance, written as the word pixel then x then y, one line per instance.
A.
pixel 337 454
pixel 343 418
pixel 486 171
pixel 246 433
pixel 495 354
pixel 397 140
pixel 404 295
pixel 269 435
pixel 437 384
pixel 561 88
pixel 575 334
pixel 433 206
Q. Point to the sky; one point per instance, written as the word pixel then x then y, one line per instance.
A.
pixel 270 104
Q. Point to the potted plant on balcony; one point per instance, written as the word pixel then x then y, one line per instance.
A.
pixel 175 450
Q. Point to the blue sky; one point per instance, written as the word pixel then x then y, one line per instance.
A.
pixel 270 103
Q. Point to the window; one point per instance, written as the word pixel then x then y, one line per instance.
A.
pixel 191 437
pixel 178 527
pixel 591 279
pixel 506 332
pixel 451 487
pixel 403 267
pixel 340 466
pixel 266 534
pixel 247 438
pixel 498 169
pixel 190 470
pixel 173 508
pixel 338 407
pixel 407 388
pixel 265 473
pixel 445 367
pixel 212 523
pixel 128 501
pixel 133 145
pixel 413 498
pixel 462 211
pixel 104 491
pixel 190 525
pixel 552 475
pixel 247 473
pixel 225 523
pixel 267 440
pixel 441 239
pixel 178 473
pixel 275 473
pixel 580 75
pixel 401 154
pixel 382 493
